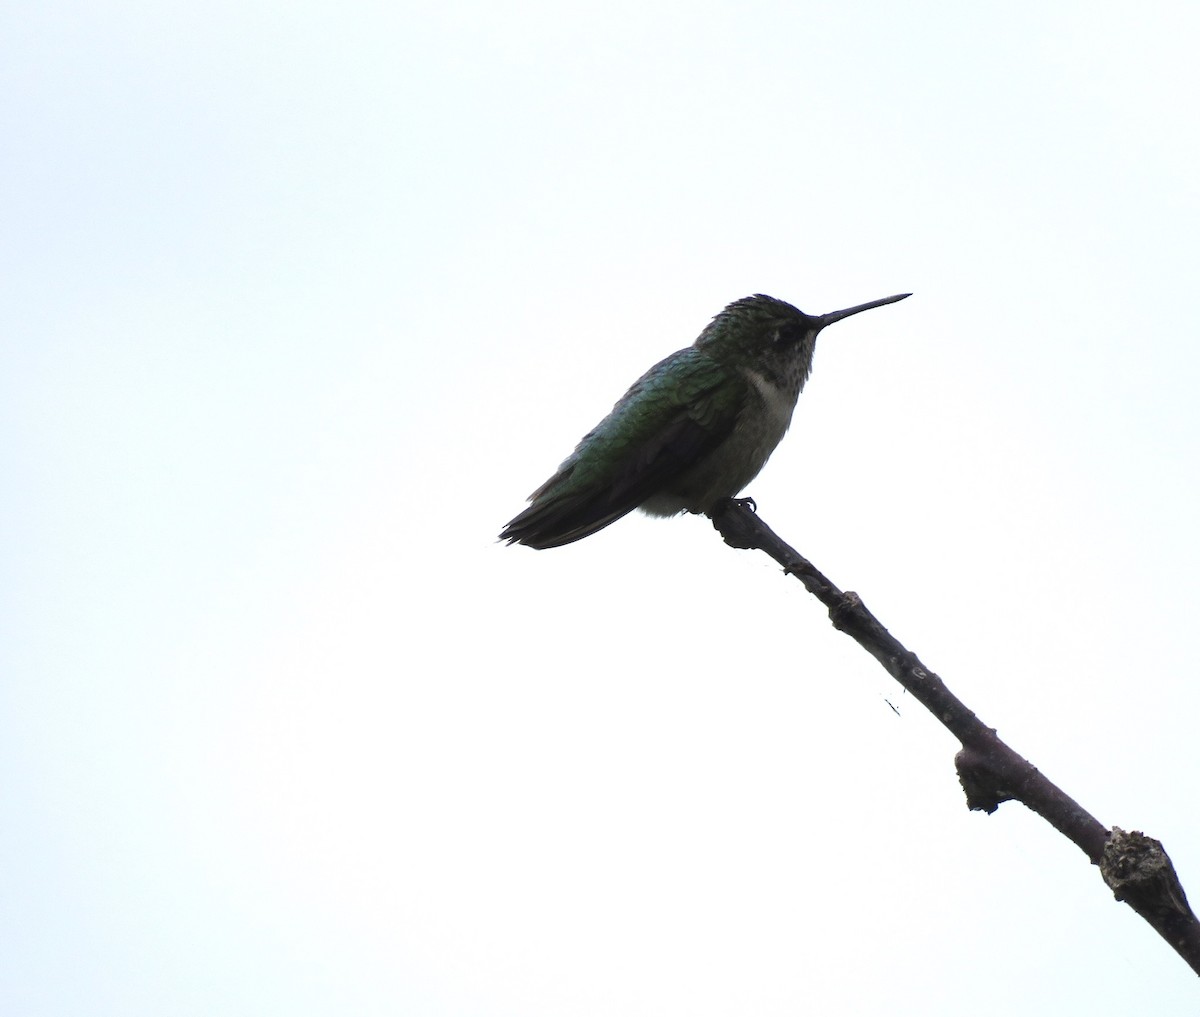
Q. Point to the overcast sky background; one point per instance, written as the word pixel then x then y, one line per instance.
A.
pixel 301 300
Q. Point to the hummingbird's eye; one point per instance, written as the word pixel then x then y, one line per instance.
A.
pixel 786 335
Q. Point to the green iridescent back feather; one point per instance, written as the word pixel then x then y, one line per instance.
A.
pixel 674 414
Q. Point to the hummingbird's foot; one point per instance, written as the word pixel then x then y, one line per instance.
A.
pixel 725 521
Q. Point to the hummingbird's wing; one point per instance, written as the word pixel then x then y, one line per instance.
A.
pixel 673 416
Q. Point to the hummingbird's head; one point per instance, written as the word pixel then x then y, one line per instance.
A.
pixel 770 336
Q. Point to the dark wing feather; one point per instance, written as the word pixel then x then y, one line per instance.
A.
pixel 663 425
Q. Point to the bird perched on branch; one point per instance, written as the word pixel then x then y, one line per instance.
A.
pixel 692 431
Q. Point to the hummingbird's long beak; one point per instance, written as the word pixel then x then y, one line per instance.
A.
pixel 832 316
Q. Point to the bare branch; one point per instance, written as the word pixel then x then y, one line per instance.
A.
pixel 1133 865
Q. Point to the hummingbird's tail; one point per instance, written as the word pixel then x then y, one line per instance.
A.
pixel 556 519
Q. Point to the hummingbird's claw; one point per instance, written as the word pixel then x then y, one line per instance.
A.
pixel 734 528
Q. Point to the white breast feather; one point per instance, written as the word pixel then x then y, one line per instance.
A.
pixel 779 402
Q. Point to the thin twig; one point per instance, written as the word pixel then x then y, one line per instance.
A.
pixel 1134 866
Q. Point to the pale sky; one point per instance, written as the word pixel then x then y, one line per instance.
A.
pixel 302 300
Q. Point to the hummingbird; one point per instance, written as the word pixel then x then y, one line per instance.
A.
pixel 692 431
